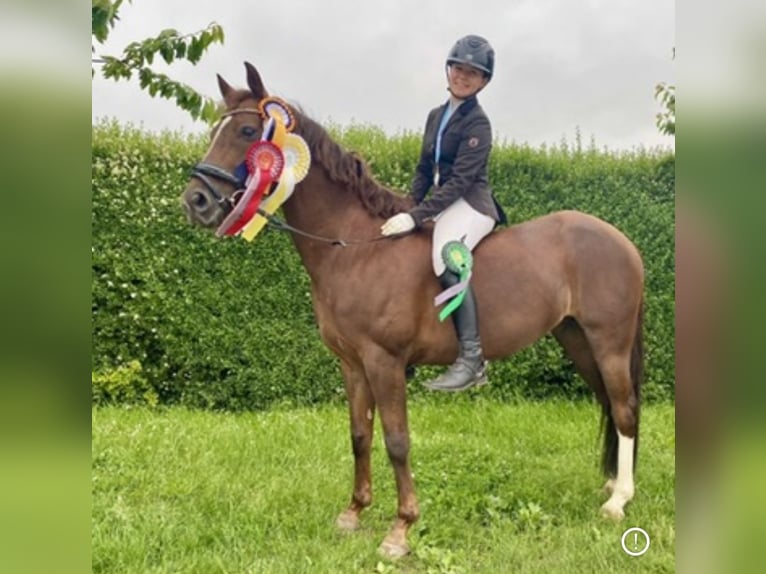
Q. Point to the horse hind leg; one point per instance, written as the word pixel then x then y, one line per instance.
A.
pixel 621 431
pixel 572 338
pixel 619 445
pixel 361 413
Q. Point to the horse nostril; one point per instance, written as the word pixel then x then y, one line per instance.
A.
pixel 199 200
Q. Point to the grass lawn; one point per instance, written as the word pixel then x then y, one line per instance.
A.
pixel 502 488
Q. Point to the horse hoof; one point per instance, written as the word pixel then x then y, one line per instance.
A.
pixel 347 521
pixel 393 550
pixel 612 512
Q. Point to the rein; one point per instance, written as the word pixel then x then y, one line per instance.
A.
pixel 280 225
pixel 204 171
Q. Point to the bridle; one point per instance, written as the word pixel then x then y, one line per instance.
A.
pixel 205 171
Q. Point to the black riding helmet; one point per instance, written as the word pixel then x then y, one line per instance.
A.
pixel 473 51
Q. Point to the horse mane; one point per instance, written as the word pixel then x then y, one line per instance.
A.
pixel 351 170
pixel 346 168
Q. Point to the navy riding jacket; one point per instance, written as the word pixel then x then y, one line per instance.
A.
pixel 462 169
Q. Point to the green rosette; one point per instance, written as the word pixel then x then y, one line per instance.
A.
pixel 458 259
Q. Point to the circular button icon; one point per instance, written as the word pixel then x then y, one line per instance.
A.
pixel 635 541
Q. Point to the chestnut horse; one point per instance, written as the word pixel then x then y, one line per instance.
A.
pixel 567 273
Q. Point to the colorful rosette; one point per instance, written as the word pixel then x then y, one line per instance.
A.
pixel 276 163
pixel 265 162
pixel 297 156
pixel 458 259
pixel 269 206
pixel 279 133
pixel 268 129
pixel 274 131
pixel 275 108
pixel 243 210
pixel 265 158
pixel 251 201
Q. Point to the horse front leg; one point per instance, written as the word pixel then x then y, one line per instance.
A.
pixel 387 381
pixel 361 411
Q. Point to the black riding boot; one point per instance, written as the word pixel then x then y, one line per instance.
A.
pixel 469 369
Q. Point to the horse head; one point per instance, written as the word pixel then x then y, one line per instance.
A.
pixel 218 181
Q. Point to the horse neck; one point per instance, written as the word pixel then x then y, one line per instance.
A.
pixel 326 209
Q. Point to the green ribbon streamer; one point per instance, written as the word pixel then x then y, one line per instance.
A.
pixel 458 259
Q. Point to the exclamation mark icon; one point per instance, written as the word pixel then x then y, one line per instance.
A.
pixel 635 541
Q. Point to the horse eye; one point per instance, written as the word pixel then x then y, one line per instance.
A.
pixel 248 131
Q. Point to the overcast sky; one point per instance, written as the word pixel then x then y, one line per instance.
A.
pixel 559 63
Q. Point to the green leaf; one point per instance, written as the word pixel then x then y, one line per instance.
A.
pixel 138 56
pixel 166 88
pixel 145 77
pixel 180 48
pixel 167 52
pixel 103 17
pixel 195 50
pixel 217 32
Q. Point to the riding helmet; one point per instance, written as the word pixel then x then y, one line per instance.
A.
pixel 473 51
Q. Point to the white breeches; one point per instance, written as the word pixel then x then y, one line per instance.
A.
pixel 459 222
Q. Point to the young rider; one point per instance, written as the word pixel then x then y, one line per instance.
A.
pixel 453 166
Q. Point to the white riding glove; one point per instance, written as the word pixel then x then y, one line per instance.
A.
pixel 399 223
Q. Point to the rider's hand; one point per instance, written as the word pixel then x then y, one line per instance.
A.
pixel 399 223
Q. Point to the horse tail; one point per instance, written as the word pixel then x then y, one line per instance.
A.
pixel 637 374
pixel 609 461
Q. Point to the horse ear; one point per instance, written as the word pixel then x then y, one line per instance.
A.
pixel 226 91
pixel 254 82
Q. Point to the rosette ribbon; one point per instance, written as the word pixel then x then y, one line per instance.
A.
pixel 275 164
pixel 265 163
pixel 297 161
pixel 458 259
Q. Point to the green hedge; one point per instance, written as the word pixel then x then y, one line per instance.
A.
pixel 229 324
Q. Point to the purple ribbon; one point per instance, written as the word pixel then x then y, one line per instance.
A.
pixel 451 291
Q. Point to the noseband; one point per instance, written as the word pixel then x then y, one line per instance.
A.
pixel 205 171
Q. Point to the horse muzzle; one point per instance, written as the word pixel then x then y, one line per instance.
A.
pixel 204 203
pixel 202 207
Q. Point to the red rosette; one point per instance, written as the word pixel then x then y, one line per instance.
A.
pixel 237 213
pixel 250 209
pixel 266 158
pixel 245 209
